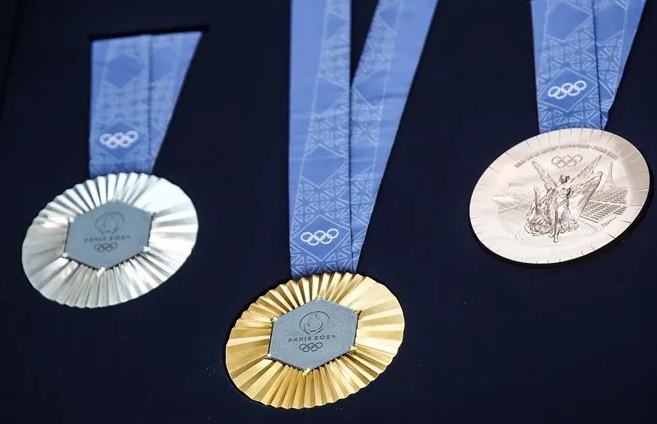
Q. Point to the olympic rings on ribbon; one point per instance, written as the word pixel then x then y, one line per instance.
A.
pixel 119 139
pixel 310 347
pixel 569 161
pixel 105 247
pixel 319 236
pixel 566 89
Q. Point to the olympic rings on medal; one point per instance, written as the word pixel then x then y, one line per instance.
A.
pixel 310 347
pixel 105 247
pixel 566 161
pixel 566 89
pixel 119 139
pixel 319 236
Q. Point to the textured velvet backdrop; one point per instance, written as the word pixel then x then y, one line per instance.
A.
pixel 486 340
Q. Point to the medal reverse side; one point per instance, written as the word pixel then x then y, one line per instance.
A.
pixel 559 196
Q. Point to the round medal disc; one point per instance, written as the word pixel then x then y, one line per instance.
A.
pixel 109 240
pixel 559 196
pixel 314 341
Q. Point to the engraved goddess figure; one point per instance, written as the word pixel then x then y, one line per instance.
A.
pixel 559 209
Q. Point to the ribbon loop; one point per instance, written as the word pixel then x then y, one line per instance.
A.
pixel 135 85
pixel 341 134
pixel 580 51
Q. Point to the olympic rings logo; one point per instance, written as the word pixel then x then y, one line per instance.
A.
pixel 119 139
pixel 105 247
pixel 310 347
pixel 319 236
pixel 566 89
pixel 566 161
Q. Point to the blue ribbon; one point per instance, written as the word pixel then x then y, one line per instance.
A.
pixel 580 49
pixel 135 83
pixel 341 133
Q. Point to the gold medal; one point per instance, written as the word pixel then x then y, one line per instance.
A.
pixel 109 240
pixel 314 341
pixel 559 196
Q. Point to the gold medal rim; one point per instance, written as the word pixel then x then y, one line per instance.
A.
pixel 515 252
pixel 71 283
pixel 379 334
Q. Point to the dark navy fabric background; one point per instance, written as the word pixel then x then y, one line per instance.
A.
pixel 486 341
pixel 9 12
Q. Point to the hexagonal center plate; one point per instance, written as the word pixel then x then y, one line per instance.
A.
pixel 313 334
pixel 108 235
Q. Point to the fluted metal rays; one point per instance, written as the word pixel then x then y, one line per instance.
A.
pixel 378 337
pixel 173 230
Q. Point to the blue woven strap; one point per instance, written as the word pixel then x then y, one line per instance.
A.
pixel 581 48
pixel 341 133
pixel 135 85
